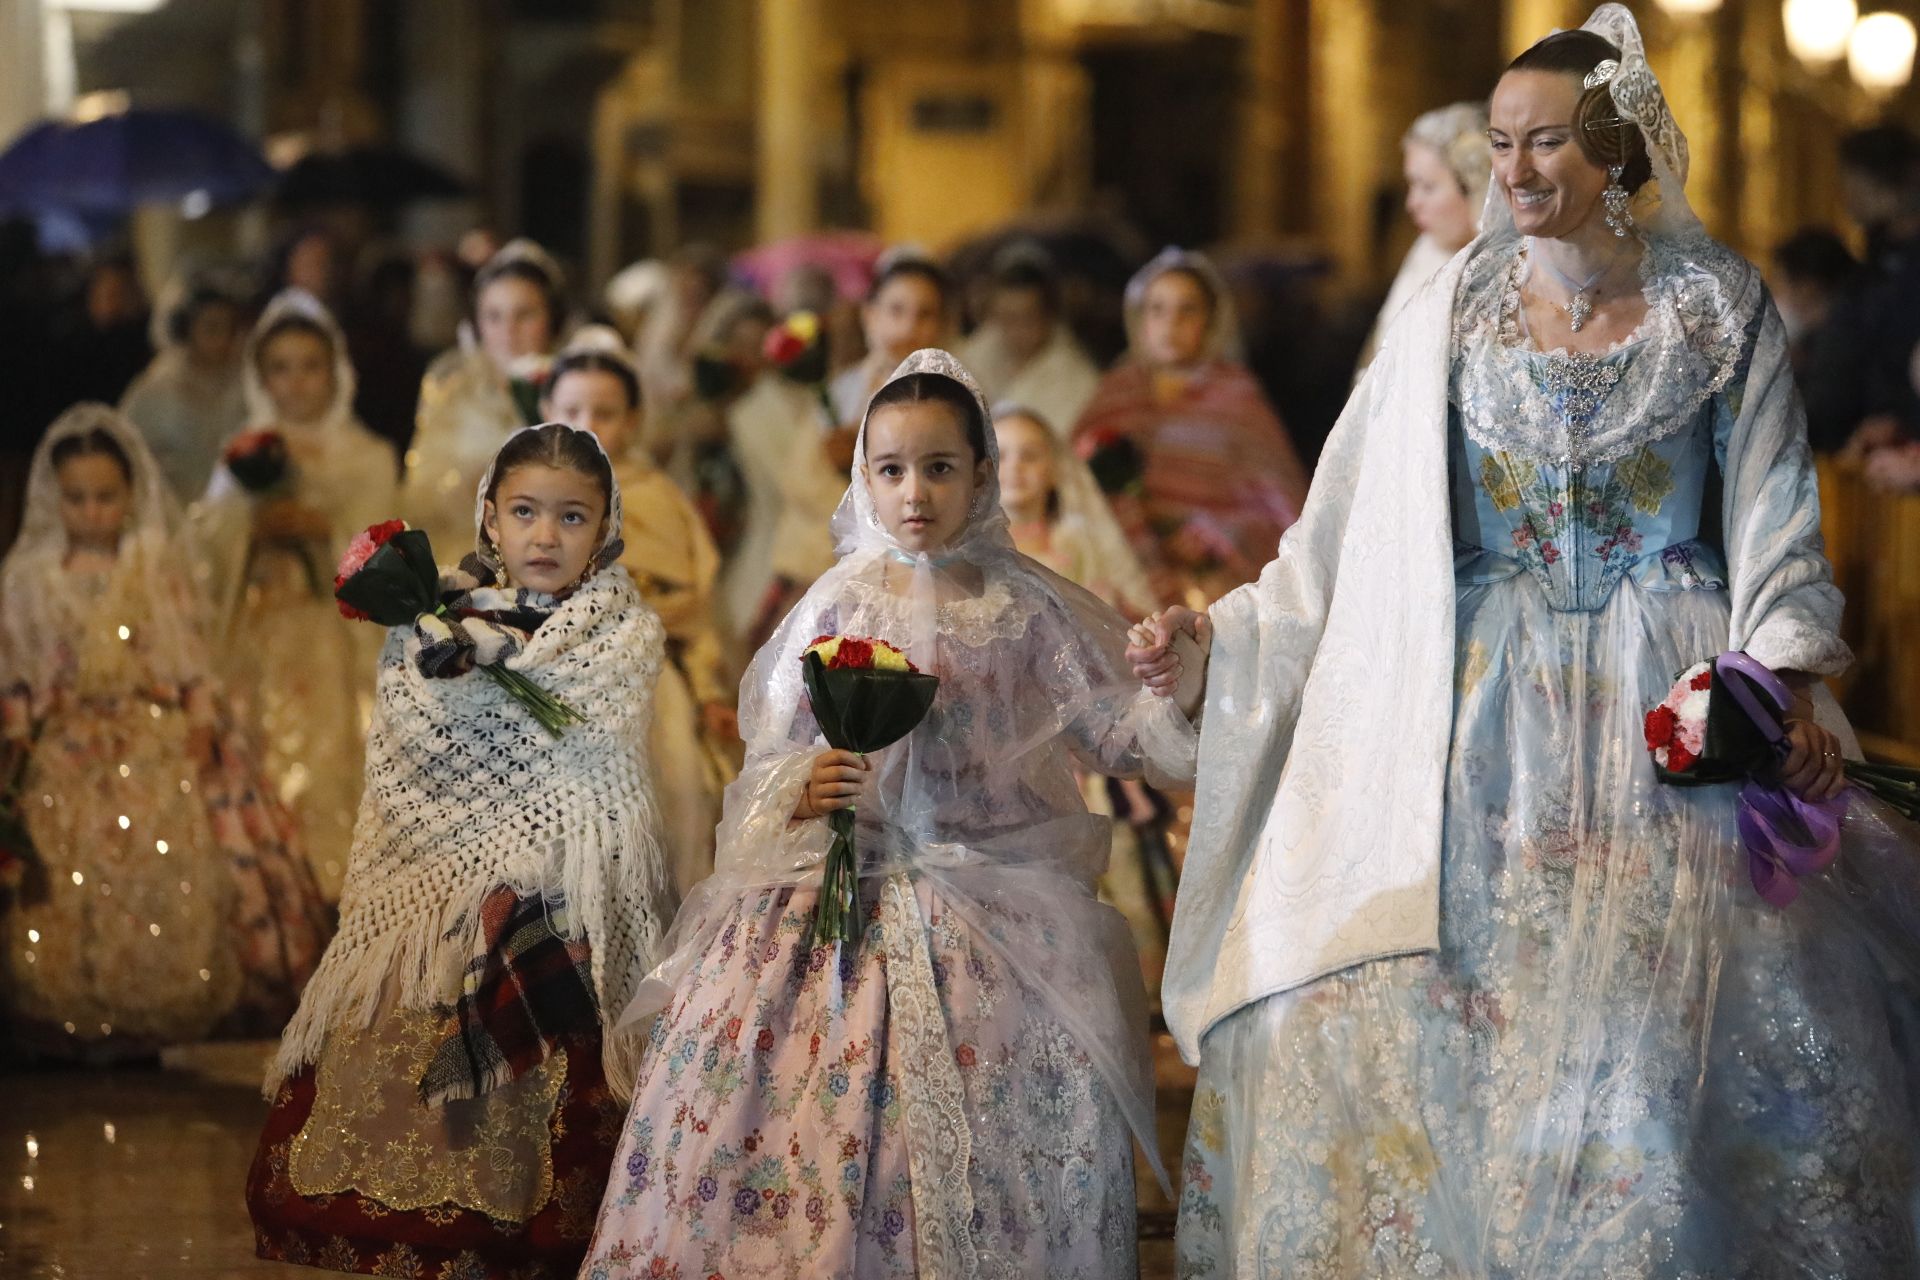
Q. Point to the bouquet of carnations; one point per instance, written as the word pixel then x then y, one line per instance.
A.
pixel 1118 466
pixel 1721 722
pixel 388 576
pixel 527 378
pixel 259 461
pixel 865 696
pixel 797 349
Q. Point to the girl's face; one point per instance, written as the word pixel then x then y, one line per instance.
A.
pixel 594 400
pixel 1026 465
pixel 1174 317
pixel 1434 199
pixel 213 334
pixel 1550 184
pixel 1023 318
pixel 296 367
pixel 512 315
pixel 546 523
pixel 745 341
pixel 907 315
pixel 95 498
pixel 922 473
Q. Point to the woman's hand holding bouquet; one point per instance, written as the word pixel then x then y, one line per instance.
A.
pixel 1732 720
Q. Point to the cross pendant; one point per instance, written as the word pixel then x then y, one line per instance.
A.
pixel 1579 311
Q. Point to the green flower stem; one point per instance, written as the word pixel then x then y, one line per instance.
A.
pixel 553 715
pixel 836 915
pixel 1893 785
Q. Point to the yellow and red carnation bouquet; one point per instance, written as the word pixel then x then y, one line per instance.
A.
pixel 865 696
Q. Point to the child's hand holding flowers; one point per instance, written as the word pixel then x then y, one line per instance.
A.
pixel 838 781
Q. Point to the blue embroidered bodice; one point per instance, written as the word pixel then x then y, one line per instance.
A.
pixel 1585 469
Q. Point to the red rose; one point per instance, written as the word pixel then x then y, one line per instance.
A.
pixel 1702 681
pixel 733 1028
pixel 764 1041
pixel 1679 759
pixel 964 1055
pixel 854 653
pixel 1661 723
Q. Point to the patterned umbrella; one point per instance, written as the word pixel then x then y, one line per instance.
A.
pixel 848 256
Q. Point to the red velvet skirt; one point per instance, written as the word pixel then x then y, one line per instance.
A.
pixel 355 1233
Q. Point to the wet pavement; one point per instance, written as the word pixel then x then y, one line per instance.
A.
pixel 136 1173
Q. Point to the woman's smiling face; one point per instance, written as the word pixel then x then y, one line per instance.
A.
pixel 1550 184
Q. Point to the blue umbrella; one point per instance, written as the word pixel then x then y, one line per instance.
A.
pixel 112 165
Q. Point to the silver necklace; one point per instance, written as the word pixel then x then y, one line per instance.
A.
pixel 1580 309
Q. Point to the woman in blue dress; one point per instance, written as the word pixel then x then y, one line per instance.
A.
pixel 1472 993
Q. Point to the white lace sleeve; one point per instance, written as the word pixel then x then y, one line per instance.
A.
pixel 1115 726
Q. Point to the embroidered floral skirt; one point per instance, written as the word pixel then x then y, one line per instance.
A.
pixel 353 1174
pixel 1620 1062
pixel 903 1108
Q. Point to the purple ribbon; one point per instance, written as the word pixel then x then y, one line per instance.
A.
pixel 1786 837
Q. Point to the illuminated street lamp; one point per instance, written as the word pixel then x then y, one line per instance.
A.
pixel 1817 30
pixel 1880 52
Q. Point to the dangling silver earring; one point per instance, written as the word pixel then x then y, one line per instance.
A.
pixel 1615 199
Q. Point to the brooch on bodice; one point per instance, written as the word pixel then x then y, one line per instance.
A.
pixel 1577 385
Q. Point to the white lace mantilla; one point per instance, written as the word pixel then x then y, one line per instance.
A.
pixel 1595 410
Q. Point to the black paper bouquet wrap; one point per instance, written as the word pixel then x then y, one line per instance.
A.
pixel 865 696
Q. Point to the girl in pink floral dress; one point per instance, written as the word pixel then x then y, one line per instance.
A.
pixel 954 1092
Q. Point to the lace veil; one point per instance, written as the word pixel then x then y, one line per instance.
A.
pixel 47 614
pixel 299 303
pixel 610 535
pixel 1660 207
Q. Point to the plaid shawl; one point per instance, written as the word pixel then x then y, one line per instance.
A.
pixel 525 988
pixel 486 623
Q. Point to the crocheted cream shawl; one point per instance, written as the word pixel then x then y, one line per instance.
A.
pixel 465 792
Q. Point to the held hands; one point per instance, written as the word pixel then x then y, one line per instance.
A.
pixel 839 780
pixel 1169 653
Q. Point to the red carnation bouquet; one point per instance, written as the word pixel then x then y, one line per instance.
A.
pixel 388 576
pixel 1118 465
pixel 259 461
pixel 797 349
pixel 1721 722
pixel 865 696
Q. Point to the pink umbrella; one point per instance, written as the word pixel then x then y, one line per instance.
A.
pixel 848 256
